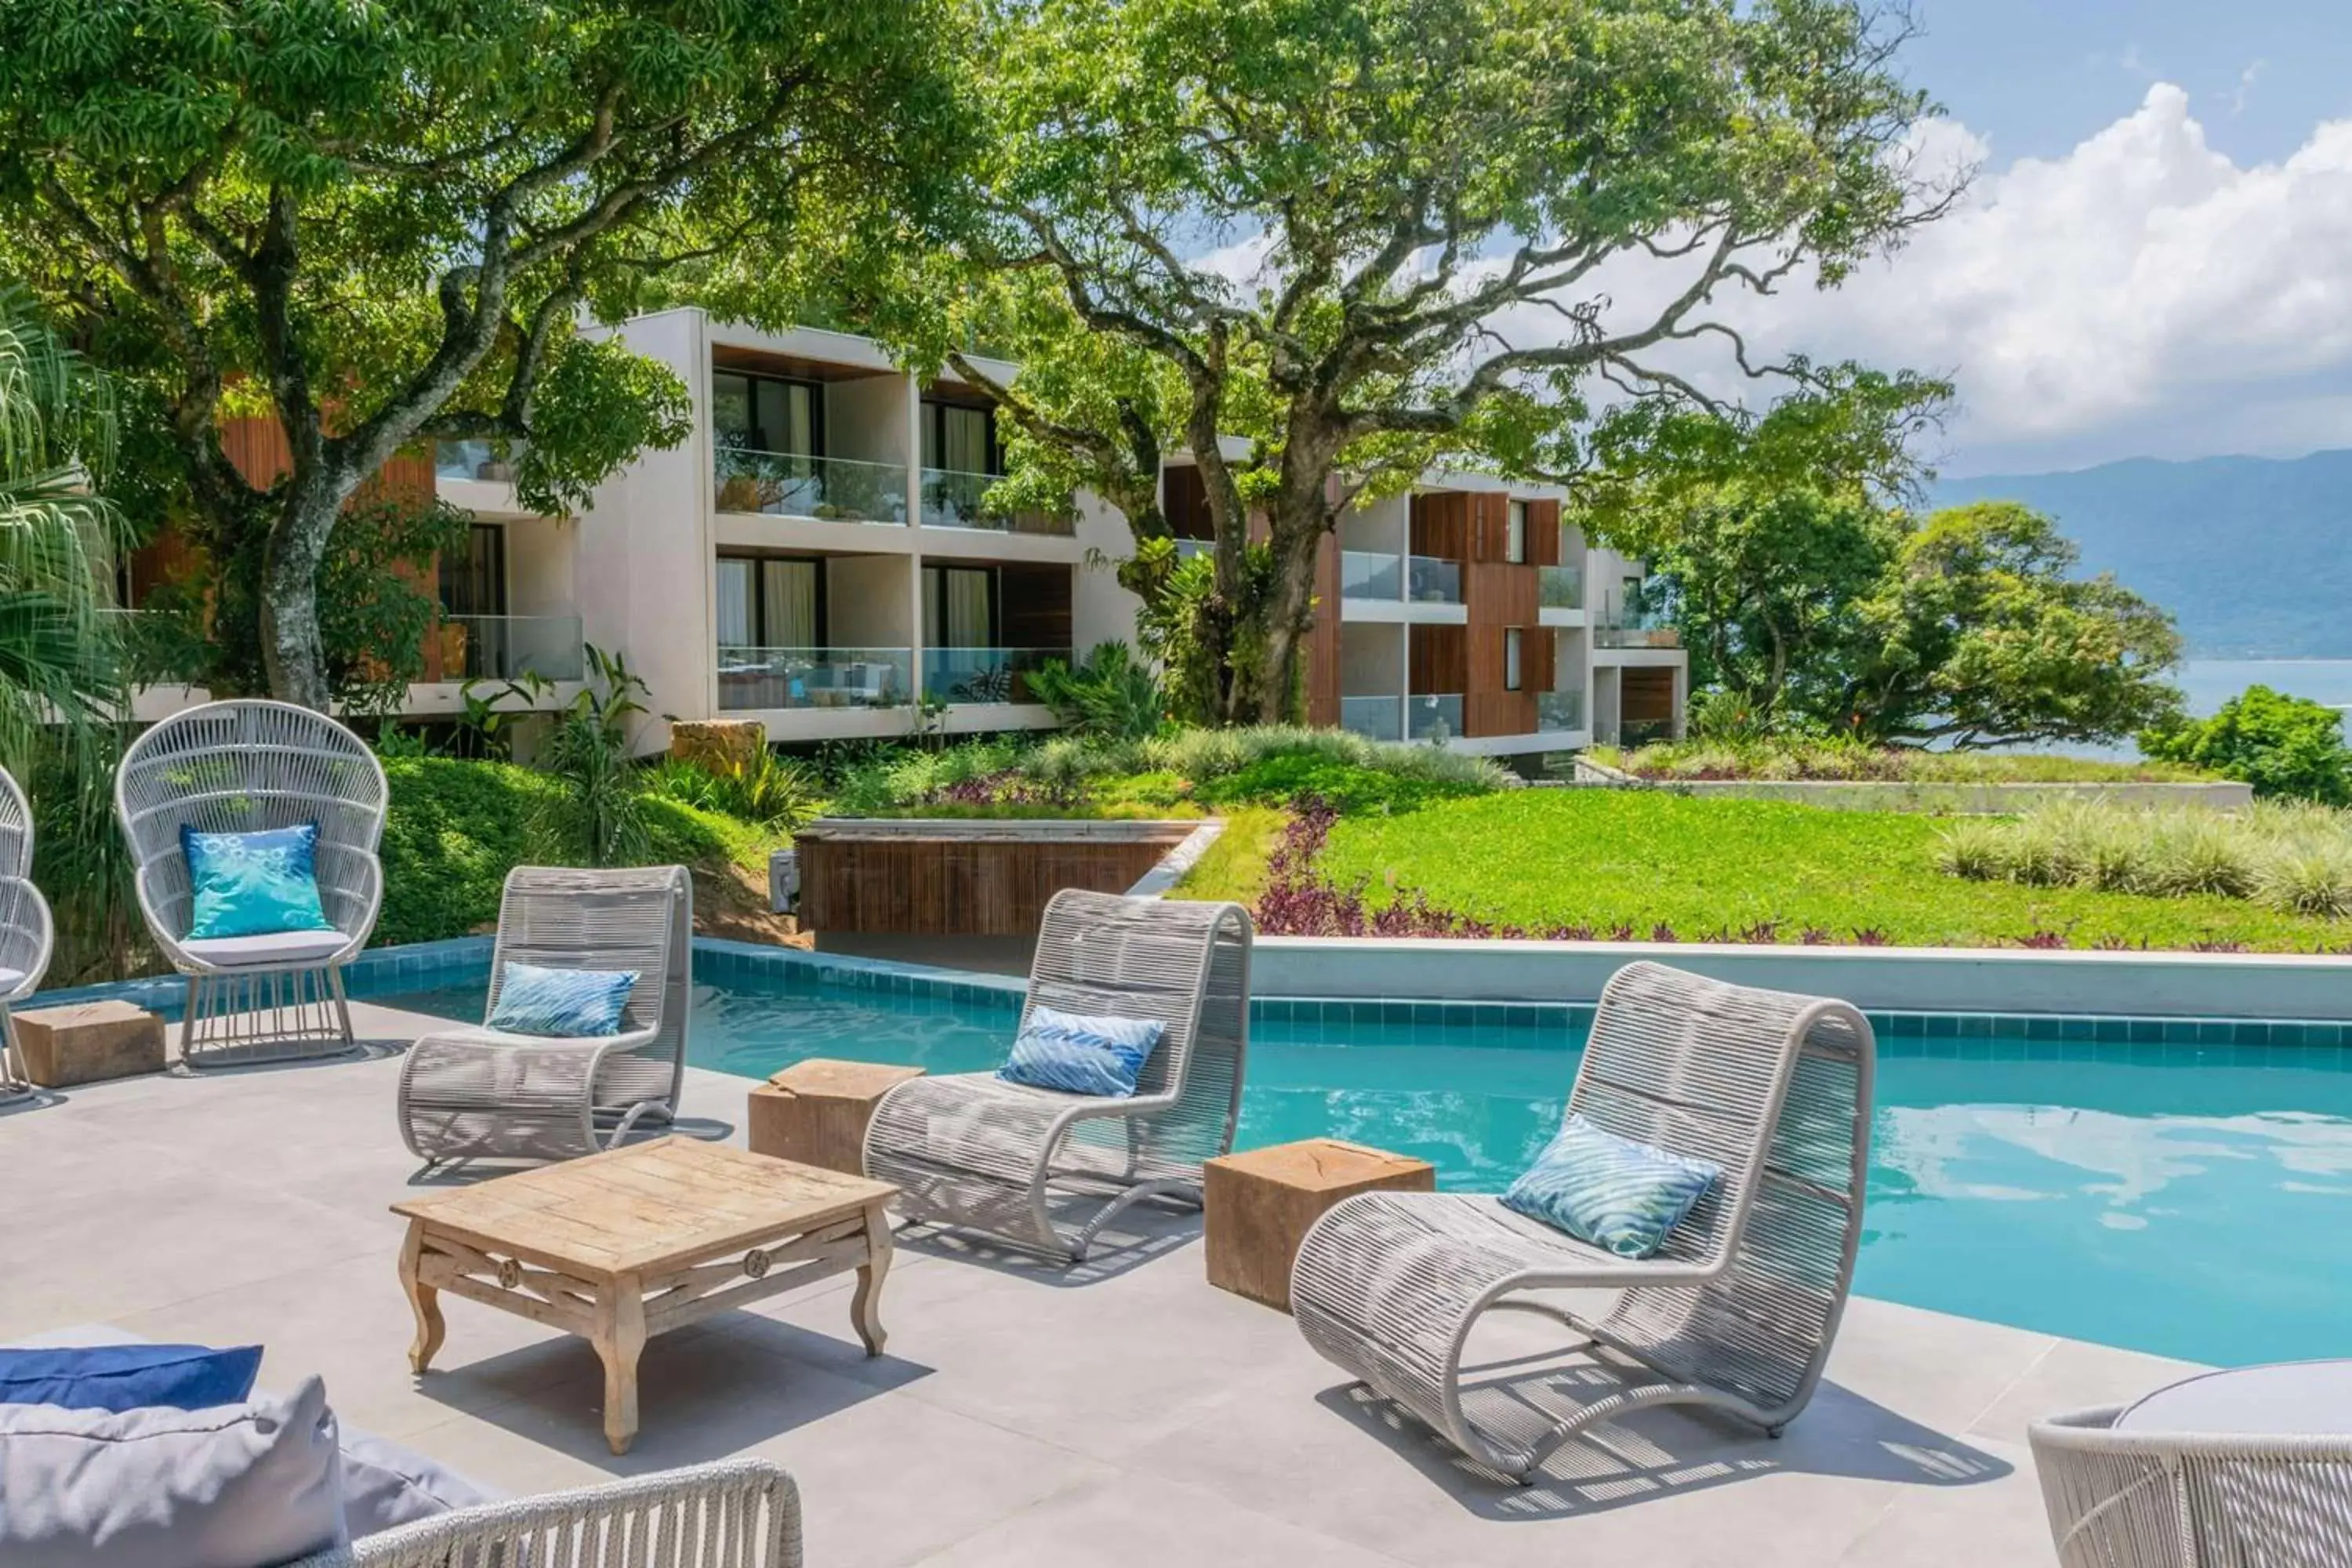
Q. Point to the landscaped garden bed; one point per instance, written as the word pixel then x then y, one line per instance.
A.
pixel 1694 762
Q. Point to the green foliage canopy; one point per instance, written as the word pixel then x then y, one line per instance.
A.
pixel 2283 745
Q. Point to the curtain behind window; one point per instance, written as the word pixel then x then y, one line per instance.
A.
pixel 956 606
pixel 788 603
pixel 735 608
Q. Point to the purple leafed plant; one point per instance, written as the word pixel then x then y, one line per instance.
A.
pixel 2043 939
pixel 1816 936
pixel 1871 936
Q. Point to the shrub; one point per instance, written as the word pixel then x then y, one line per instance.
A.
pixel 1112 693
pixel 2296 858
pixel 1347 787
pixel 767 790
pixel 2284 746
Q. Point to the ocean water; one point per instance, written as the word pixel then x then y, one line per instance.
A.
pixel 2187 1201
pixel 2209 683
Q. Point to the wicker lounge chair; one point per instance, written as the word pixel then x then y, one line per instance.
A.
pixel 27 934
pixel 238 767
pixel 972 1149
pixel 474 1092
pixel 2157 1499
pixel 734 1513
pixel 1739 1308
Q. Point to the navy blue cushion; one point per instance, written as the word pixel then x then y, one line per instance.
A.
pixel 129 1377
pixel 565 1003
pixel 1080 1053
pixel 1616 1193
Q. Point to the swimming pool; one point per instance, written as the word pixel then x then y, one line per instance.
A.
pixel 2177 1198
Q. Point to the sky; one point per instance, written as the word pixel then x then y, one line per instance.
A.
pixel 2155 255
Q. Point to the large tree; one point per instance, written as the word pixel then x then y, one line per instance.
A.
pixel 1365 235
pixel 378 222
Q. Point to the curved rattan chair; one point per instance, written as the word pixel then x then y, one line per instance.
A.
pixel 1736 1312
pixel 974 1151
pixel 240 767
pixel 2159 1500
pixel 477 1093
pixel 731 1513
pixel 27 935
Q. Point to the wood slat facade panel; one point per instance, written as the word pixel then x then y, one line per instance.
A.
pixel 1497 595
pixel 1490 526
pixel 1323 636
pixel 1435 661
pixel 932 886
pixel 1034 605
pixel 1440 524
pixel 1646 694
pixel 1543 533
pixel 1185 501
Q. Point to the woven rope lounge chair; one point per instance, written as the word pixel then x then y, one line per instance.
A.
pixel 28 936
pixel 475 1092
pixel 1736 1311
pixel 2158 1500
pixel 240 767
pixel 734 1513
pixel 971 1150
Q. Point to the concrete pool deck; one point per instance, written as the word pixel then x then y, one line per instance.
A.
pixel 1126 1412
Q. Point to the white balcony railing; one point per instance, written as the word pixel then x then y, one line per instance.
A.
pixel 795 484
pixel 505 648
pixel 1431 580
pixel 1433 716
pixel 753 678
pixel 951 499
pixel 983 674
pixel 1375 718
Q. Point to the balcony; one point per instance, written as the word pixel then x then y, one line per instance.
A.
pixel 1636 626
pixel 983 674
pixel 476 460
pixel 1373 718
pixel 1430 580
pixel 506 647
pixel 951 499
pixel 1370 575
pixel 1188 547
pixel 762 677
pixel 1432 715
pixel 1560 709
pixel 795 484
pixel 1560 587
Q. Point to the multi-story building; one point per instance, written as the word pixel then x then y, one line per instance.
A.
pixel 813 556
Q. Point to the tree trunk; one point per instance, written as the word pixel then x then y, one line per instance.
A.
pixel 292 651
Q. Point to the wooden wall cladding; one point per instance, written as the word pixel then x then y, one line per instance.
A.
pixel 1646 694
pixel 1323 636
pixel 1185 501
pixel 1441 525
pixel 1436 658
pixel 1543 533
pixel 1034 605
pixel 1490 526
pixel 943 886
pixel 1497 595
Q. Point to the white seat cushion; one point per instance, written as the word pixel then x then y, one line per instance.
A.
pixel 9 980
pixel 276 948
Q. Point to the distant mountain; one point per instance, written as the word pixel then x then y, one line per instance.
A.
pixel 2253 555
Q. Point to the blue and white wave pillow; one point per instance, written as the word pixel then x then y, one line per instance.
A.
pixel 253 884
pixel 566 1004
pixel 1621 1196
pixel 1081 1053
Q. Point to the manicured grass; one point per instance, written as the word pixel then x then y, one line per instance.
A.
pixel 1605 858
pixel 1234 865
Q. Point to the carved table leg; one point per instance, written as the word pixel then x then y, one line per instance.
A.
pixel 424 1300
pixel 866 1305
pixel 619 1339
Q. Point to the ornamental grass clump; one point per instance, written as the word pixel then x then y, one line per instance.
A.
pixel 2296 858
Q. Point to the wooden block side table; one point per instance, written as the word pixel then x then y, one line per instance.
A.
pixel 816 1112
pixel 619 1246
pixel 1259 1205
pixel 88 1042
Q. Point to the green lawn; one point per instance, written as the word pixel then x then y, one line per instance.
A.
pixel 1543 857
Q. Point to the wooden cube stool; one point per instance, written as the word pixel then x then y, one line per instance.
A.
pixel 88 1042
pixel 1258 1205
pixel 816 1112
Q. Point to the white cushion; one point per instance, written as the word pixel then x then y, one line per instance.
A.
pixel 277 947
pixel 10 979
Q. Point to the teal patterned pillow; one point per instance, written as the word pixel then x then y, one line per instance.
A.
pixel 566 1004
pixel 253 884
pixel 1621 1196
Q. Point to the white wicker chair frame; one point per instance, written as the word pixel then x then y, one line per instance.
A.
pixel 27 935
pixel 2156 1499
pixel 1736 1312
pixel 972 1151
pixel 238 767
pixel 735 1513
pixel 477 1093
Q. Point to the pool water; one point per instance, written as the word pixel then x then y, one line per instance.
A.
pixel 2184 1200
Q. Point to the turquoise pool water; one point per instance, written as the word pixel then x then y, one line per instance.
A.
pixel 2186 1200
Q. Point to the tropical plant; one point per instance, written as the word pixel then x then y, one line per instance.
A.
pixel 588 752
pixel 765 789
pixel 2288 747
pixel 2293 858
pixel 372 226
pixel 485 729
pixel 1111 694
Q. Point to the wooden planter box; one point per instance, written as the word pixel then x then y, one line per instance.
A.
pixel 948 878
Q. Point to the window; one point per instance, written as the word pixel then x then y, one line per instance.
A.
pixel 959 439
pixel 767 413
pixel 960 606
pixel 770 602
pixel 1514 532
pixel 1511 671
pixel 474 575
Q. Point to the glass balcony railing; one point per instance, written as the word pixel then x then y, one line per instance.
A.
pixel 1370 575
pixel 1375 718
pixel 951 499
pixel 983 674
pixel 1188 547
pixel 1560 709
pixel 503 648
pixel 1636 625
pixel 814 677
pixel 1559 587
pixel 476 460
pixel 795 484
pixel 1431 580
pixel 1432 715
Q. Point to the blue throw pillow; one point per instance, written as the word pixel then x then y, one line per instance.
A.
pixel 1079 1053
pixel 254 884
pixel 571 1003
pixel 1621 1196
pixel 129 1377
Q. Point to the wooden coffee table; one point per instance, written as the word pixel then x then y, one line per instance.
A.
pixel 620 1246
